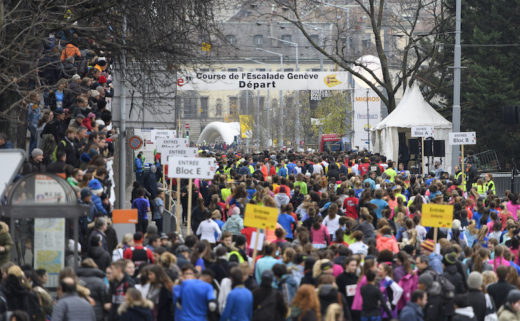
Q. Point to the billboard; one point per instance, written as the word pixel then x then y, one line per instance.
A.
pixel 253 80
pixel 367 114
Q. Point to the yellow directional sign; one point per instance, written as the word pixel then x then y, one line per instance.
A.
pixel 260 216
pixel 436 215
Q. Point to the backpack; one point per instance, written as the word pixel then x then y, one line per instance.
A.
pixel 448 289
pixel 266 310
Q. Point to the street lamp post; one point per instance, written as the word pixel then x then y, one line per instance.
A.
pixel 297 68
pixel 456 82
pixel 281 93
pixel 258 105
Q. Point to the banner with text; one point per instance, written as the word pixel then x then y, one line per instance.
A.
pixel 304 80
pixel 367 114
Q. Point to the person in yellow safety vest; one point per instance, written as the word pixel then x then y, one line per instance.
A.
pixel 238 255
pixel 490 185
pixel 480 187
pixel 459 177
pixel 390 171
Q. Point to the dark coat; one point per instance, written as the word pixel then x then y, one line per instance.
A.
pixel 453 275
pixel 70 149
pixel 411 312
pixel 100 256
pixel 499 291
pixel 136 313
pixel 32 167
pixel 92 279
pixel 477 300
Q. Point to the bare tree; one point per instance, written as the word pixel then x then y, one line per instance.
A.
pixel 406 35
pixel 159 38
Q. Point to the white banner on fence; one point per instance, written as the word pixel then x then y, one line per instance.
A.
pixel 367 114
pixel 304 80
pixel 192 167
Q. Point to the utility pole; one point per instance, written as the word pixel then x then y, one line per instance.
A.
pixel 122 125
pixel 456 83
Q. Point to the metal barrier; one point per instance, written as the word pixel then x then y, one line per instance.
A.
pixel 503 182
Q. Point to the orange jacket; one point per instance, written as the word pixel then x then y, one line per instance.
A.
pixel 70 51
pixel 386 243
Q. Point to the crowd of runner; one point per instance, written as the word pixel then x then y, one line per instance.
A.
pixel 348 245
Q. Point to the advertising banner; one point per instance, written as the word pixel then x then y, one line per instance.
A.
pixel 367 114
pixel 246 126
pixel 304 80
pixel 49 247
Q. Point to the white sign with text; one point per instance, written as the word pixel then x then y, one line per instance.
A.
pixel 192 167
pixel 423 131
pixel 161 134
pixel 463 138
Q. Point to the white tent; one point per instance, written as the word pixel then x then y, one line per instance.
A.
pixel 412 111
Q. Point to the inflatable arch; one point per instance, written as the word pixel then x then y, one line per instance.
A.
pixel 216 129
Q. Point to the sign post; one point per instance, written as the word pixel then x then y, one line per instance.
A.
pixel 190 187
pixel 190 168
pixel 261 217
pixel 463 138
pixel 423 132
pixel 178 205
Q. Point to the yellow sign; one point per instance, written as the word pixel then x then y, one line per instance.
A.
pixel 331 81
pixel 260 216
pixel 206 46
pixel 436 215
pixel 246 126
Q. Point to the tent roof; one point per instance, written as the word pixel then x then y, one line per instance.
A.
pixel 413 111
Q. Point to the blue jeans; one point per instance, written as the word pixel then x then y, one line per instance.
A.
pixel 373 318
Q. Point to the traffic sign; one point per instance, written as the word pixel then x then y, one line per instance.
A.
pixel 423 131
pixel 135 142
pixel 191 167
pixel 437 215
pixel 161 134
pixel 260 216
pixel 463 138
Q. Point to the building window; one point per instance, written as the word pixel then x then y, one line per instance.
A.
pixel 190 107
pixel 315 69
pixel 232 69
pixel 316 39
pixel 233 106
pixel 288 69
pixel 218 108
pixel 260 69
pixel 367 43
pixel 231 39
pixel 286 38
pixel 258 40
pixel 204 107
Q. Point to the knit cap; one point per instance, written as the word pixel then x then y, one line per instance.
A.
pixel 428 245
pixel 474 280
